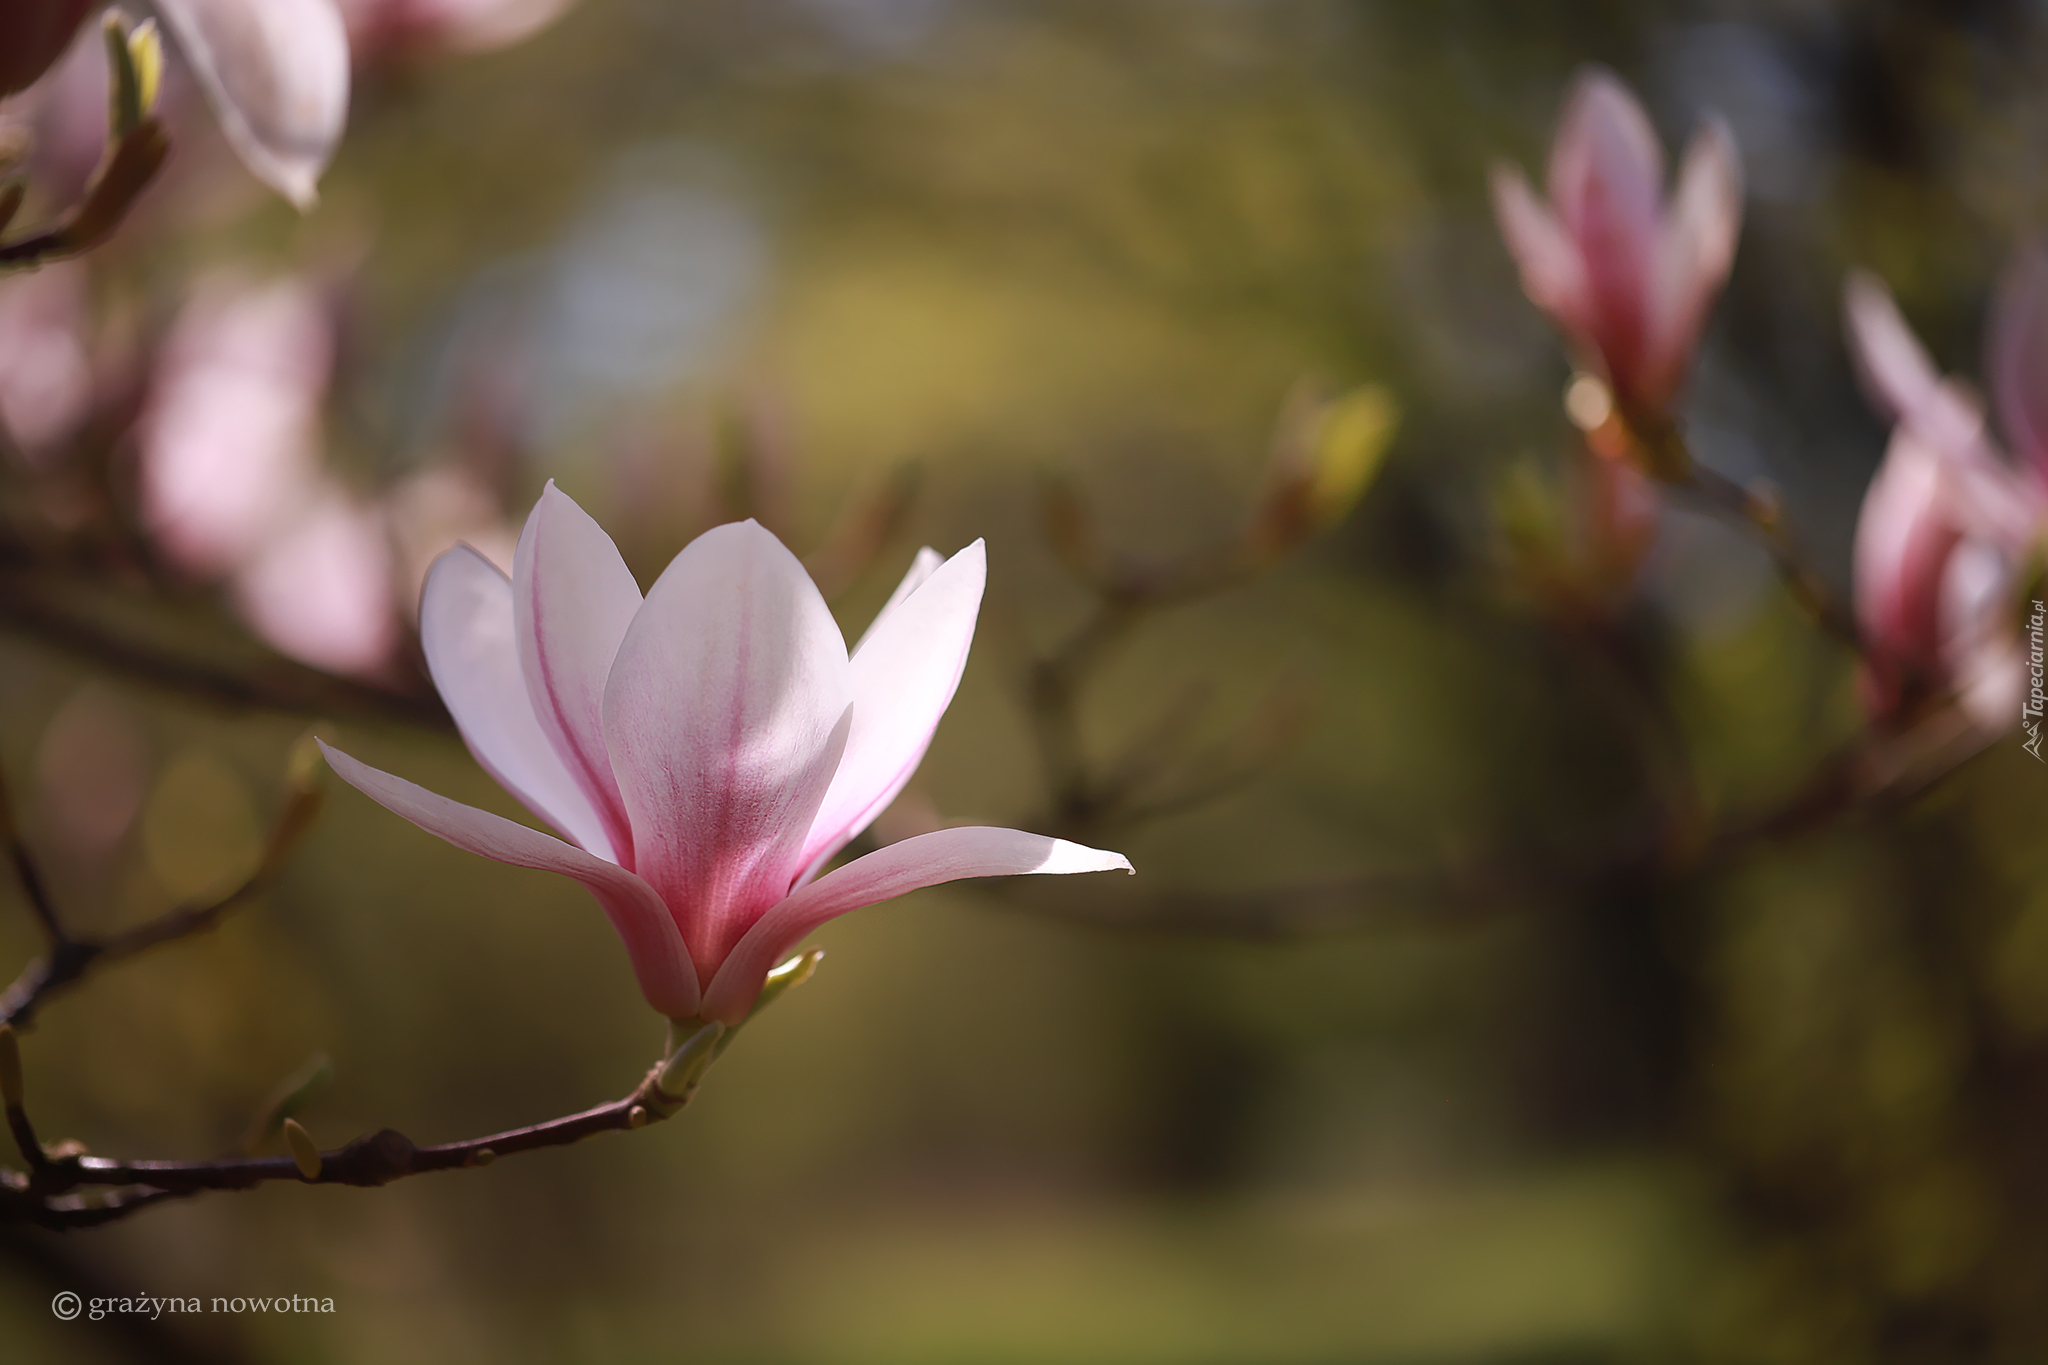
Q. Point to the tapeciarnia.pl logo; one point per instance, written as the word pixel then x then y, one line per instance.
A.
pixel 2037 700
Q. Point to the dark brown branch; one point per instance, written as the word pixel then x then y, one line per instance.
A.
pixel 45 1195
pixel 28 874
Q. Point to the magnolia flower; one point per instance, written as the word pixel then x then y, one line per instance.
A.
pixel 275 72
pixel 1950 522
pixel 1626 274
pixel 704 751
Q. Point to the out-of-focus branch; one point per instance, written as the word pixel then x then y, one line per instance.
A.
pixel 69 958
pixel 64 1188
pixel 1325 454
pixel 1760 513
pixel 46 609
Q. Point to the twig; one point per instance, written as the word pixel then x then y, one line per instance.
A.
pixel 44 1195
pixel 69 958
pixel 273 683
pixel 1765 519
pixel 27 873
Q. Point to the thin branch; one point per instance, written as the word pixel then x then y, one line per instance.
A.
pixel 271 683
pixel 69 959
pixel 1765 519
pixel 28 874
pixel 44 1196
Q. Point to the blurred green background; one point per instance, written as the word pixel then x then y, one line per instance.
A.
pixel 1276 1098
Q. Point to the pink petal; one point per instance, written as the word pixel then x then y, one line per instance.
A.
pixel 661 962
pixel 1904 539
pixel 573 598
pixel 927 860
pixel 320 590
pixel 466 630
pixel 276 74
pixel 2019 359
pixel 1553 272
pixel 1899 376
pixel 1695 252
pixel 1607 186
pixel 726 714
pixel 904 674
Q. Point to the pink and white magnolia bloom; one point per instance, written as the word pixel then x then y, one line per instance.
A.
pixel 704 751
pixel 1950 521
pixel 1627 275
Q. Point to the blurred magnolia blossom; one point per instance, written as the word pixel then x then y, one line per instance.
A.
pixel 46 370
pixel 706 750
pixel 275 73
pixel 234 489
pixel 386 29
pixel 1627 275
pixel 436 508
pixel 1952 526
pixel 229 438
pixel 321 589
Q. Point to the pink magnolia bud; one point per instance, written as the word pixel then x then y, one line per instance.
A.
pixel 1627 274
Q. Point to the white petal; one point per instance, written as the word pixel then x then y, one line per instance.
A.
pixel 926 860
pixel 661 962
pixel 572 599
pixel 922 565
pixel 725 716
pixel 466 630
pixel 904 675
pixel 276 74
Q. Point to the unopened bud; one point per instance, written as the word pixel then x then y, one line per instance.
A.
pixel 1349 447
pixel 483 1156
pixel 305 1155
pixel 135 62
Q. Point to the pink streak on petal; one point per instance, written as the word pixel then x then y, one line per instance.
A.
pixel 2019 360
pixel 321 591
pixel 660 959
pixel 927 860
pixel 726 714
pixel 573 598
pixel 904 674
pixel 1606 186
pixel 1694 255
pixel 1553 272
pixel 466 631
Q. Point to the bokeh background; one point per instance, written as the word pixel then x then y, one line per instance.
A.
pixel 1365 1065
